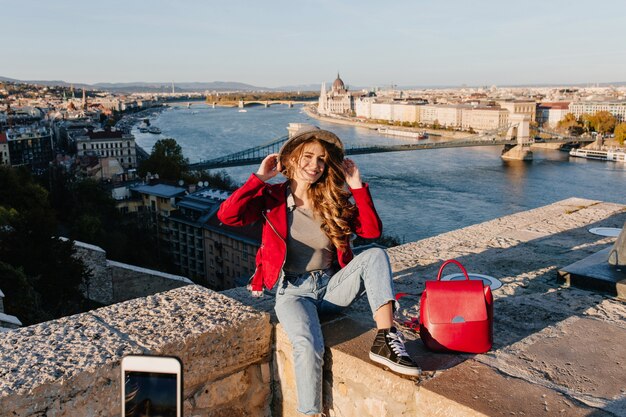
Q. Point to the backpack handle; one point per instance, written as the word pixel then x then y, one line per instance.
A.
pixel 457 263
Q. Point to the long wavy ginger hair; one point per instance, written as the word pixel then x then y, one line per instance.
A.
pixel 330 199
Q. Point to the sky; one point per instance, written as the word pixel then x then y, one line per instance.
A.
pixel 297 42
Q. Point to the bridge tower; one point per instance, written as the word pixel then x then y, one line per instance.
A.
pixel 520 130
pixel 241 104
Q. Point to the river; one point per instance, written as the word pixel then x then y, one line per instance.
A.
pixel 417 193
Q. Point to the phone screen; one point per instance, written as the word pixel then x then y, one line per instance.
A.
pixel 150 394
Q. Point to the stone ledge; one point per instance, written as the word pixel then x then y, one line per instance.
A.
pixel 70 366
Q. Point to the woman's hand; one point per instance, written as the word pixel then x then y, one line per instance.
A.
pixel 353 176
pixel 269 168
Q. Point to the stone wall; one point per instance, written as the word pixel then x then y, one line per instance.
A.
pixel 71 366
pixel 128 281
pixel 114 282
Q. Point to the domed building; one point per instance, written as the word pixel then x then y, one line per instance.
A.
pixel 336 101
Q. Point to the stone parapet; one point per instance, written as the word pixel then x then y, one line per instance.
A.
pixel 71 366
pixel 113 282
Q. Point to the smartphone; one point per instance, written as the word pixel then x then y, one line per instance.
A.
pixel 152 386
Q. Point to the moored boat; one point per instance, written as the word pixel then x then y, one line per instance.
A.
pixel 615 155
pixel 403 133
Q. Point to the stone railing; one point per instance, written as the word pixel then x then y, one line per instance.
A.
pixel 71 366
pixel 113 282
pixel 555 349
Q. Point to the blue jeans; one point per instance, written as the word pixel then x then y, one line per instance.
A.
pixel 301 298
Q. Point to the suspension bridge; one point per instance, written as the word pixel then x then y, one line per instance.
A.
pixel 515 139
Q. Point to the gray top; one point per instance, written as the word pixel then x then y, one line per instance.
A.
pixel 308 247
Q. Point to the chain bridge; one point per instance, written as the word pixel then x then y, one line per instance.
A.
pixel 515 138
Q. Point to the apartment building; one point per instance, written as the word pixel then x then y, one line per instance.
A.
pixel 29 145
pixel 520 107
pixel 549 114
pixel 108 143
pixel 187 227
pixel 4 150
pixel 373 108
pixel 616 108
pixel 484 118
pixel 205 250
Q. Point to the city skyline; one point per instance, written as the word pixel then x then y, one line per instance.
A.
pixel 281 43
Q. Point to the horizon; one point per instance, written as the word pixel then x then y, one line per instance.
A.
pixel 281 44
pixel 166 84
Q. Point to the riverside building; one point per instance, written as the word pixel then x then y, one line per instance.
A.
pixel 550 114
pixel 616 108
pixel 456 116
pixel 484 118
pixel 337 101
pixel 376 109
pixel 526 107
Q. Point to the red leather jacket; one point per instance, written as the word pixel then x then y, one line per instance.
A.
pixel 256 199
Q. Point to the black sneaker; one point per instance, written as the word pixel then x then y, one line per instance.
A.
pixel 388 350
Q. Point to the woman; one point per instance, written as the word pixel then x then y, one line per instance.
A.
pixel 308 222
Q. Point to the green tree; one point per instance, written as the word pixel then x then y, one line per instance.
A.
pixel 87 212
pixel 220 180
pixel 36 265
pixel 620 133
pixel 166 159
pixel 21 299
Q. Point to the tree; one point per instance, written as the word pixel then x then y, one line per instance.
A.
pixel 87 212
pixel 568 122
pixel 586 120
pixel 620 133
pixel 166 159
pixel 35 265
pixel 220 180
pixel 603 122
pixel 21 299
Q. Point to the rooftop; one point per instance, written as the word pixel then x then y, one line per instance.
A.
pixel 160 190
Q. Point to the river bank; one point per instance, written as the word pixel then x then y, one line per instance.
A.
pixel 353 121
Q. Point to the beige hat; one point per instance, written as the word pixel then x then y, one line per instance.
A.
pixel 305 134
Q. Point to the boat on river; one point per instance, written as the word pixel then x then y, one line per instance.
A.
pixel 153 129
pixel 615 155
pixel 403 133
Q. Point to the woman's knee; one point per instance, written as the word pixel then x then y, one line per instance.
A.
pixel 376 255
